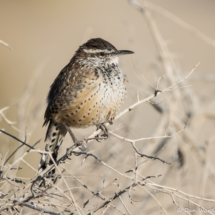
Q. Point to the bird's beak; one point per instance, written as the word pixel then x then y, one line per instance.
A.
pixel 122 52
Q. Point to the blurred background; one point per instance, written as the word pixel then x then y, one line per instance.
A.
pixel 44 35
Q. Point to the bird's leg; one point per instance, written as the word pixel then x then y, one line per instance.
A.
pixel 105 132
pixel 78 143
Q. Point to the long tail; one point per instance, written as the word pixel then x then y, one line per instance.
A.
pixel 54 138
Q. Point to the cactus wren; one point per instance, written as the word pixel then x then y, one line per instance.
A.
pixel 88 91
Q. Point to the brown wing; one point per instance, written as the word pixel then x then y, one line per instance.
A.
pixel 71 81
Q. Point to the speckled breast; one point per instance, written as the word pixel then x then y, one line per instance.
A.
pixel 98 103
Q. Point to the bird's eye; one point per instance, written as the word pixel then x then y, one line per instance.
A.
pixel 102 54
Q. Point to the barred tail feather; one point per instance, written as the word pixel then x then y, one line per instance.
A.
pixel 54 138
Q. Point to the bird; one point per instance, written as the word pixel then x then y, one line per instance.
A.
pixel 88 91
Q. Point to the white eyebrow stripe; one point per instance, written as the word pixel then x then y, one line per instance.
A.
pixel 96 51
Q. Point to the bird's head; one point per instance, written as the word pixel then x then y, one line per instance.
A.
pixel 100 50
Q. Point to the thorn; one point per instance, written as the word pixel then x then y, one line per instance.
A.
pixel 157 91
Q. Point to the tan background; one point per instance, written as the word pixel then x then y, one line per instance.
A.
pixel 44 35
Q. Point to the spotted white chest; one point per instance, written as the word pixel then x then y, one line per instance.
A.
pixel 113 89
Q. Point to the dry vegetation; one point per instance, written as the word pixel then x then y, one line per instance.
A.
pixel 119 182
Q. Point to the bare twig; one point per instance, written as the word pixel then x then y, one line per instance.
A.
pixel 37 208
pixel 5 44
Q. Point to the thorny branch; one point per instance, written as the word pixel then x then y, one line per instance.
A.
pixel 16 139
pixel 116 195
pixel 7 120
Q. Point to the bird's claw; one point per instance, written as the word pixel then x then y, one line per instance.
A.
pixel 110 122
pixel 81 144
pixel 101 137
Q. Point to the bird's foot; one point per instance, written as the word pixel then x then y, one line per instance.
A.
pixel 81 144
pixel 101 137
pixel 77 143
pixel 105 134
pixel 110 122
